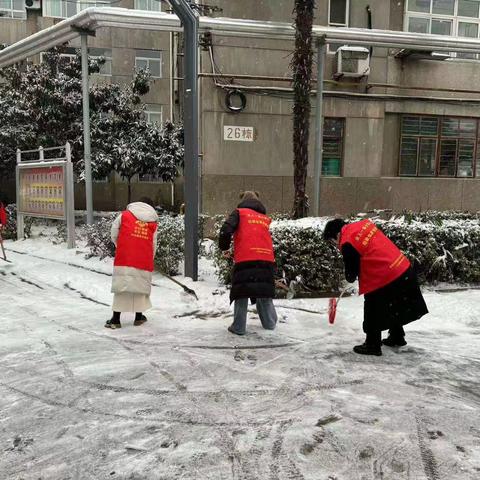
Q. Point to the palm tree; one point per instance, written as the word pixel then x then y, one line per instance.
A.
pixel 302 84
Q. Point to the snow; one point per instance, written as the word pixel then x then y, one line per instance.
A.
pixel 181 398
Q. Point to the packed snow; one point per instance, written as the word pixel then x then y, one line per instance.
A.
pixel 182 398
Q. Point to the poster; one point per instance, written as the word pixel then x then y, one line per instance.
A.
pixel 42 191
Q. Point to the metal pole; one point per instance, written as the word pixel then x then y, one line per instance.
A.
pixel 70 198
pixel 20 222
pixel 190 122
pixel 86 129
pixel 321 50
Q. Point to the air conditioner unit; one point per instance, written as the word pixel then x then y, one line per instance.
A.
pixel 352 62
pixel 33 4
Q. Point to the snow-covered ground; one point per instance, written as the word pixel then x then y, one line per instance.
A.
pixel 181 398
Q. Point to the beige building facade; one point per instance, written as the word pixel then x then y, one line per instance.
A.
pixel 405 136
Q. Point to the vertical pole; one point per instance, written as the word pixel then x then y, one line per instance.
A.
pixel 190 121
pixel 20 223
pixel 41 154
pixel 69 198
pixel 86 129
pixel 321 50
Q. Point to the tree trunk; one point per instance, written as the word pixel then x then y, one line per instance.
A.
pixel 129 198
pixel 302 84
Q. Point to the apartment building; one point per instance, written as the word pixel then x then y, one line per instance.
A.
pixel 405 135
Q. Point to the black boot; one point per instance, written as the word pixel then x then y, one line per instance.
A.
pixel 372 345
pixel 366 349
pixel 140 319
pixel 394 341
pixel 396 337
pixel 114 322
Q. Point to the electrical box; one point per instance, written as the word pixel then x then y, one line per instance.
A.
pixel 352 62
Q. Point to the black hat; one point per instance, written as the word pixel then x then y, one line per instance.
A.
pixel 333 228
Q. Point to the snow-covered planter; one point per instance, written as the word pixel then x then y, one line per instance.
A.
pixel 10 231
pixel 443 247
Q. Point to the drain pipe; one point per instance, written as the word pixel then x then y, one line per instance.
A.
pixel 369 20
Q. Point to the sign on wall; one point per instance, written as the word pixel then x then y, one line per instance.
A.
pixel 42 192
pixel 238 134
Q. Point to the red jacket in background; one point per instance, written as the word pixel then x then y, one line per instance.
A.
pixel 381 262
pixel 135 243
pixel 3 215
pixel 252 240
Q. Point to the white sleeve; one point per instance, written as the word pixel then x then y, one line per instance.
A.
pixel 116 229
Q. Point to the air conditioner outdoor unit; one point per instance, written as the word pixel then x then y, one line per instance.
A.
pixel 352 62
pixel 33 4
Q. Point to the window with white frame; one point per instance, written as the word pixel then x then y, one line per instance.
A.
pixel 458 18
pixel 338 16
pixel 12 9
pixel 68 8
pixel 154 114
pixel 150 60
pixel 151 5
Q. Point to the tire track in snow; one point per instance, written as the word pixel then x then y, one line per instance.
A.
pixel 430 466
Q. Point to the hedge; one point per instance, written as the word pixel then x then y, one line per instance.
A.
pixel 443 247
pixel 170 241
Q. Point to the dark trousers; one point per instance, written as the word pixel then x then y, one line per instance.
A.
pixel 375 337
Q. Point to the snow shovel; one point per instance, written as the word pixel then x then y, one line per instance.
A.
pixel 332 307
pixel 185 288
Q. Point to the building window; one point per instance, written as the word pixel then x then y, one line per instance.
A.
pixel 439 147
pixel 12 9
pixel 458 18
pixel 154 114
pixel 151 5
pixel 338 16
pixel 64 8
pixel 150 60
pixel 333 134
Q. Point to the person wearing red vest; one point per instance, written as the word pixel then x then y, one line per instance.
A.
pixel 134 234
pixel 3 216
pixel 386 279
pixel 254 262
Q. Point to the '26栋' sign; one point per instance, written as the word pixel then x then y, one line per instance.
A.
pixel 238 134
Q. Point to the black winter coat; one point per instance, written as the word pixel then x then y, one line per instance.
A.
pixel 250 279
pixel 396 304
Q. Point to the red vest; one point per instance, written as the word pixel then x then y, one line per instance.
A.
pixel 135 243
pixel 381 262
pixel 252 240
pixel 3 215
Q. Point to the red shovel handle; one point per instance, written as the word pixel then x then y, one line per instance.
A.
pixel 332 310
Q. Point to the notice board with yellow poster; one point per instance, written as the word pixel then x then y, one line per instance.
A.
pixel 45 188
pixel 42 191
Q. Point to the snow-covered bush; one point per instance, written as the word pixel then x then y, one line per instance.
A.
pixel 170 244
pixel 10 231
pixel 98 237
pixel 170 241
pixel 443 247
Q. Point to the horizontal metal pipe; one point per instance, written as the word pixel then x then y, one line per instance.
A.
pixel 267 78
pixel 98 17
pixel 339 93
